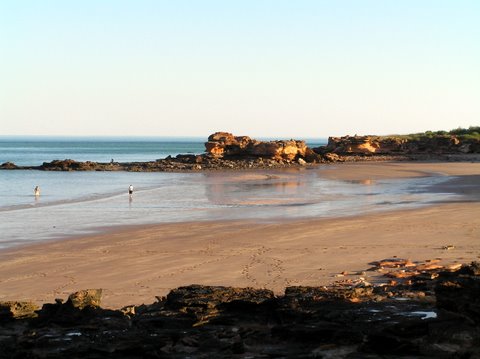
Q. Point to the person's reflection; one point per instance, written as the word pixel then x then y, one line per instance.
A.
pixel 220 193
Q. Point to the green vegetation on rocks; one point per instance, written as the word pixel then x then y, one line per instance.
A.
pixel 464 134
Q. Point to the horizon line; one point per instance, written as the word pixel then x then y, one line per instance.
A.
pixel 3 136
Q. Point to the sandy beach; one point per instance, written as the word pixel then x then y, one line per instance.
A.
pixel 134 264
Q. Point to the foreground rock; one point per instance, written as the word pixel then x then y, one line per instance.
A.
pixel 357 320
pixel 460 293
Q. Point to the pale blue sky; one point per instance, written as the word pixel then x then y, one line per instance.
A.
pixel 252 67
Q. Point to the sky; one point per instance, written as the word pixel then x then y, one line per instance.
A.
pixel 271 68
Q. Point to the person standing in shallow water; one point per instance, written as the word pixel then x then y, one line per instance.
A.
pixel 36 191
pixel 130 190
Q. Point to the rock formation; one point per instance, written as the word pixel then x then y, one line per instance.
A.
pixel 433 314
pixel 223 151
pixel 8 166
pixel 399 145
pixel 226 151
pixel 460 292
pixel 226 145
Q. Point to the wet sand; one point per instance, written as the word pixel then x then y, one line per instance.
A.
pixel 135 264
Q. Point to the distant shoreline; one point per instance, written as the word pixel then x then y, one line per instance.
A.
pixel 195 163
pixel 223 150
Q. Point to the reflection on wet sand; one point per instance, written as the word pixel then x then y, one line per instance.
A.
pixel 256 195
pixel 256 190
pixel 310 188
pixel 366 182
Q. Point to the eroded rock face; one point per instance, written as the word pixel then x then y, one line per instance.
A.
pixel 279 150
pixel 356 144
pixel 224 144
pixel 17 310
pixel 85 298
pixel 396 145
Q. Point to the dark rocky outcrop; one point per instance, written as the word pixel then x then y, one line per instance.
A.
pixel 350 319
pixel 460 292
pixel 8 166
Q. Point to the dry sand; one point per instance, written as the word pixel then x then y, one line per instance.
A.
pixel 135 264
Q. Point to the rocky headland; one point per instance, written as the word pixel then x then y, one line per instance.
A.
pixel 424 310
pixel 223 150
pixel 388 145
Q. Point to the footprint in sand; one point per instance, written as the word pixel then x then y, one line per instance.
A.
pixel 263 271
pixel 71 281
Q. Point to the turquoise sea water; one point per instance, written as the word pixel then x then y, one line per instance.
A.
pixel 73 203
pixel 33 151
pixel 36 150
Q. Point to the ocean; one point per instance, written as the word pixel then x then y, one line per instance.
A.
pixel 75 203
pixel 34 150
pixel 31 151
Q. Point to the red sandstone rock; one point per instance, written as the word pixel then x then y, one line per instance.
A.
pixel 225 144
pixel 333 157
pixel 390 145
pixel 356 144
pixel 214 148
pixel 223 137
pixel 279 150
